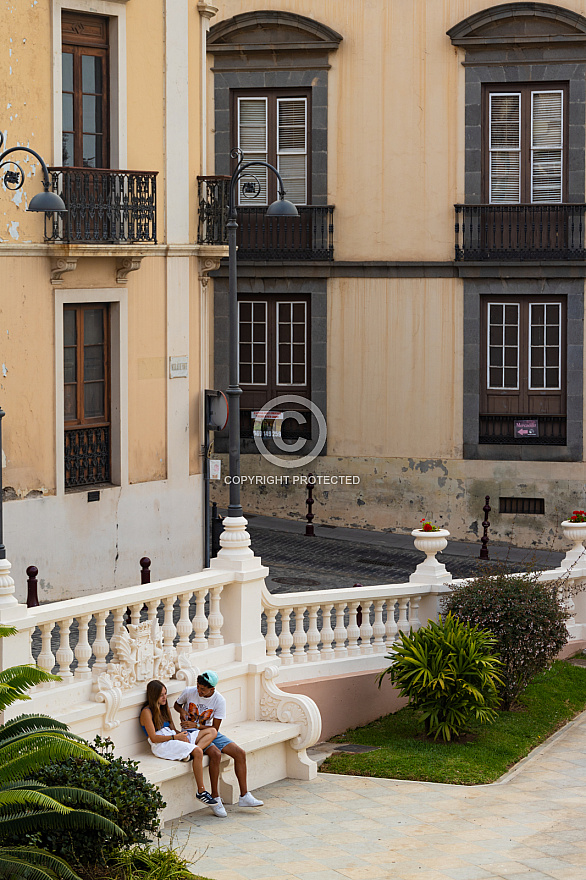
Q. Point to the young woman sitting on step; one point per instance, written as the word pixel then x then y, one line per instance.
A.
pixel 169 743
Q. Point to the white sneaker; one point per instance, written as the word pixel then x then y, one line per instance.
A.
pixel 249 800
pixel 218 809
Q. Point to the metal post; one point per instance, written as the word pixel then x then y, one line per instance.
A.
pixel 309 530
pixel 32 597
pixel 234 391
pixel 2 547
pixel 485 539
pixel 145 574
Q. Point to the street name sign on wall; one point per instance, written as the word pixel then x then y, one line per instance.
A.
pixel 526 428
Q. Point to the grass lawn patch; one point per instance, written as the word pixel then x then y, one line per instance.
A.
pixel 553 698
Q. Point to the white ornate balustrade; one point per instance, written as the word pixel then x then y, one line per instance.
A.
pixel 339 624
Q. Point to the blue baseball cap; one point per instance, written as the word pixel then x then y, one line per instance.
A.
pixel 210 677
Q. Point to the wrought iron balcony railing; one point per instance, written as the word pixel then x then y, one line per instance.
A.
pixel 500 429
pixel 307 237
pixel 87 456
pixel 520 232
pixel 103 206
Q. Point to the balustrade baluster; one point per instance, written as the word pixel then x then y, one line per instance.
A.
pixel 135 613
pixel 414 621
pixel 200 621
pixel 340 632
pixel 272 639
pixel 118 614
pixel 403 622
pixel 169 630
pixel 378 629
pixel 327 633
pixel 299 637
pixel 64 655
pixel 391 625
pixel 46 660
pixel 286 639
pixel 152 609
pixel 184 625
pixel 100 646
pixel 313 636
pixel 83 652
pixel 366 629
pixel 353 630
pixel 216 618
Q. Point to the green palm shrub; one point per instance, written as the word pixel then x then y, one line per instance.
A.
pixel 449 672
pixel 27 805
pixel 137 801
pixel 526 618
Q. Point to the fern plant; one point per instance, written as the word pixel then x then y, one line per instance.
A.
pixel 449 672
pixel 27 743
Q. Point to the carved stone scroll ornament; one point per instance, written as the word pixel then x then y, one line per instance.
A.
pixel 205 267
pixel 276 705
pixel 139 656
pixel 60 267
pixel 187 671
pixel 111 695
pixel 125 266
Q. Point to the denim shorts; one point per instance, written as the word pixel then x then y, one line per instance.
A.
pixel 220 742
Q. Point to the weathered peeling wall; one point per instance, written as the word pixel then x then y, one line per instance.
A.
pixel 27 376
pixel 395 494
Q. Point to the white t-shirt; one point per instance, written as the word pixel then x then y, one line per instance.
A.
pixel 202 710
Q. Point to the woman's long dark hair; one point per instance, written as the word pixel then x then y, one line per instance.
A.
pixel 160 713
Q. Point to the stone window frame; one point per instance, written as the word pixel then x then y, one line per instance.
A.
pixel 573 290
pixel 287 288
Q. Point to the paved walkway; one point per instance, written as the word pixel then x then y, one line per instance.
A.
pixel 529 826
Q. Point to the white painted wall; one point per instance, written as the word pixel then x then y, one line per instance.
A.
pixel 155 519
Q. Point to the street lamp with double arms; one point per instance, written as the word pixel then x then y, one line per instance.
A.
pixel 280 208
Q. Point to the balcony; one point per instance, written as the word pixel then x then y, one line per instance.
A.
pixel 499 429
pixel 307 237
pixel 520 232
pixel 103 206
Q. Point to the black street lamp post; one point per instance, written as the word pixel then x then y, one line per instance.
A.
pixel 280 208
pixel 46 201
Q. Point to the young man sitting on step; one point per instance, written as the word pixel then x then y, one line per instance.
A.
pixel 200 707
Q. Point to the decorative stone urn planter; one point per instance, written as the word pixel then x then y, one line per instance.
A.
pixel 576 533
pixel 430 571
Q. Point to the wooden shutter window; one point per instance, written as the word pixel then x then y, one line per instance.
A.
pixel 291 343
pixel 85 101
pixel 292 147
pixel 545 346
pixel 546 146
pixel 85 364
pixel 505 148
pixel 503 346
pixel 253 141
pixel 252 343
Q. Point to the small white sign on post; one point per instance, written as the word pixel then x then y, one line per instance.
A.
pixel 178 367
pixel 215 468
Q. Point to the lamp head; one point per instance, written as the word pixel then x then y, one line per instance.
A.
pixel 46 202
pixel 282 208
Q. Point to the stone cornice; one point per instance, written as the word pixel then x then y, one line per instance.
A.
pixel 76 251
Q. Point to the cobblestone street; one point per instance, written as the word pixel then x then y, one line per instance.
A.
pixel 341 557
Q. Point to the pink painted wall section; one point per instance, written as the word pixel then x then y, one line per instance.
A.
pixel 348 701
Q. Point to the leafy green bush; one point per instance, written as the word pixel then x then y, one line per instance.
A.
pixel 526 618
pixel 138 803
pixel 449 672
pixel 28 807
pixel 150 863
